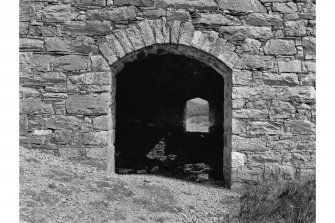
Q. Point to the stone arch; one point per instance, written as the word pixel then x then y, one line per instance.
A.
pixel 160 37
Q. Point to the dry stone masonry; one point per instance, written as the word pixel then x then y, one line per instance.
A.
pixel 71 52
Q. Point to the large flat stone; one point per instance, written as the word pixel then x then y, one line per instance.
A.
pixel 61 122
pixel 98 78
pixel 87 28
pixel 27 11
pixel 280 47
pixel 115 15
pixel 296 28
pixel 264 127
pixel 303 127
pixel 309 46
pixel 262 19
pixel 103 123
pixel 187 4
pixel 86 104
pixel 255 62
pixel 70 63
pixel 293 66
pixel 284 7
pixel 217 19
pixel 248 144
pixel 31 44
pixel 101 3
pixel 58 13
pixel 281 109
pixel 239 33
pixel 140 3
pixel 241 5
pixel 251 113
pixel 32 106
pixel 250 46
pixel 285 79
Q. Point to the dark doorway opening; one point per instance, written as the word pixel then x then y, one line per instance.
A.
pixel 151 134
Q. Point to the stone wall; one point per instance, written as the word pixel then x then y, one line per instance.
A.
pixel 67 49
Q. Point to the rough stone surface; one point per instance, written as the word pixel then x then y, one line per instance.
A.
pixel 241 5
pixel 31 45
pixel 84 104
pixel 255 62
pixel 115 15
pixel 58 13
pixel 140 3
pixel 280 47
pixel 32 106
pixel 284 7
pixel 217 19
pixel 239 33
pixel 196 4
pixel 260 19
pixel 70 63
pixel 296 28
pixel 89 28
pixel 289 66
pixel 71 52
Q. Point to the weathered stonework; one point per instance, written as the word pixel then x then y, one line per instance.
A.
pixel 70 52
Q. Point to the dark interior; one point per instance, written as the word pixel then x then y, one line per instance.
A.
pixel 150 136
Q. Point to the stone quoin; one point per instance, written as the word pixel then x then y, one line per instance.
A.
pixel 74 56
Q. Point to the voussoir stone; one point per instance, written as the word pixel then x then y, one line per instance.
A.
pixel 31 106
pixel 186 33
pixel 241 5
pixel 140 3
pixel 174 31
pixel 186 4
pixel 146 32
pixel 115 46
pixel 134 35
pixel 117 14
pixel 108 53
pixel 280 47
pixel 87 104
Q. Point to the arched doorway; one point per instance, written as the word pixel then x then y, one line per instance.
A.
pixel 151 89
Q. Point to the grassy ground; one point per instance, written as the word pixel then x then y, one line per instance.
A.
pixel 291 202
